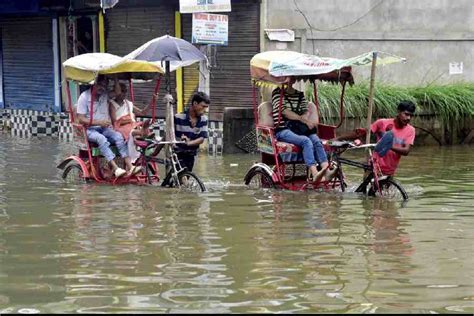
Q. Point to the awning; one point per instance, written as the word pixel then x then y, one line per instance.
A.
pixel 277 66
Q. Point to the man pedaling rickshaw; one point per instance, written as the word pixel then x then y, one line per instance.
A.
pixel 394 137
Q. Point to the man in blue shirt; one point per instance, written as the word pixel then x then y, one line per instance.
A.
pixel 191 127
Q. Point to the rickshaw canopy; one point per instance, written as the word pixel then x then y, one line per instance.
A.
pixel 277 67
pixel 86 67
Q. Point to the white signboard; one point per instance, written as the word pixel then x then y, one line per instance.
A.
pixel 455 68
pixel 193 6
pixel 210 29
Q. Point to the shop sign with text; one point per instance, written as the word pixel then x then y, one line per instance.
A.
pixel 193 6
pixel 210 29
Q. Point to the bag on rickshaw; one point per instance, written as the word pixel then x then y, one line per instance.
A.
pixel 296 126
pixel 300 128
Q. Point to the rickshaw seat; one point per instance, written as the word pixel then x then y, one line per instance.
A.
pixel 313 112
pixel 287 151
pixel 265 114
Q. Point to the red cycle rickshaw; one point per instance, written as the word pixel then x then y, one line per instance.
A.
pixel 282 164
pixel 89 164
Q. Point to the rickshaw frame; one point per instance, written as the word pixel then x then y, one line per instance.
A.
pixel 276 177
pixel 87 163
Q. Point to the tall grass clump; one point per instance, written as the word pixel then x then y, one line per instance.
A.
pixel 448 102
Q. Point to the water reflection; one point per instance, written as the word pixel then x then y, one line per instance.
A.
pixel 96 248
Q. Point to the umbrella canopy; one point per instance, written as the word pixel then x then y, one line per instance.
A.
pixel 175 53
pixel 168 48
pixel 85 68
pixel 278 66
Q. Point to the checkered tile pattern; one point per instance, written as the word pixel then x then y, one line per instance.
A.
pixel 21 126
pixel 215 146
pixel 27 123
pixel 44 125
pixel 65 128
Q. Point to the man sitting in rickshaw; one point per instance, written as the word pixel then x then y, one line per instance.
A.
pixel 294 109
pixel 100 130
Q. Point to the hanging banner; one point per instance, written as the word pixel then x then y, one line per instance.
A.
pixel 193 6
pixel 210 29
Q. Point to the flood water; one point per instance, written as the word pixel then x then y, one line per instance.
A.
pixel 130 249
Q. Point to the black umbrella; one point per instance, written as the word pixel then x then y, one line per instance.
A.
pixel 168 49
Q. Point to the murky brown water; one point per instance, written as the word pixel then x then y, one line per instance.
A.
pixel 96 248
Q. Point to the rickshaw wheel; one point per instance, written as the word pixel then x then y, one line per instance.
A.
pixel 389 188
pixel 188 182
pixel 74 174
pixel 259 180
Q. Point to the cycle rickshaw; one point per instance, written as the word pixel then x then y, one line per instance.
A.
pixel 282 165
pixel 88 164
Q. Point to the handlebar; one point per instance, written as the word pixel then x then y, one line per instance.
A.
pixel 363 146
pixel 155 141
pixel 169 142
pixel 347 144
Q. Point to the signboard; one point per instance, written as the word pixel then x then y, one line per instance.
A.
pixel 210 29
pixel 193 6
pixel 455 68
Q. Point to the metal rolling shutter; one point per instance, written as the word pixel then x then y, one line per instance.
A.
pixel 28 66
pixel 129 28
pixel 230 80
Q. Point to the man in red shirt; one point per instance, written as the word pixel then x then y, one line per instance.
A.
pixel 400 136
pixel 395 136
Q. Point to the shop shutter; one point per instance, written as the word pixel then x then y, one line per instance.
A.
pixel 230 84
pixel 128 28
pixel 190 73
pixel 28 66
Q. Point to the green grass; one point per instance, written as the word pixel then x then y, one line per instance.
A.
pixel 448 102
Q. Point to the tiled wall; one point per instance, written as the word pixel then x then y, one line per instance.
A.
pixel 28 123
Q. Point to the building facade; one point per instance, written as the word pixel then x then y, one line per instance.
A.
pixel 436 37
pixel 37 36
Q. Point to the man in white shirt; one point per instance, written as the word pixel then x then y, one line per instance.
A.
pixel 100 130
